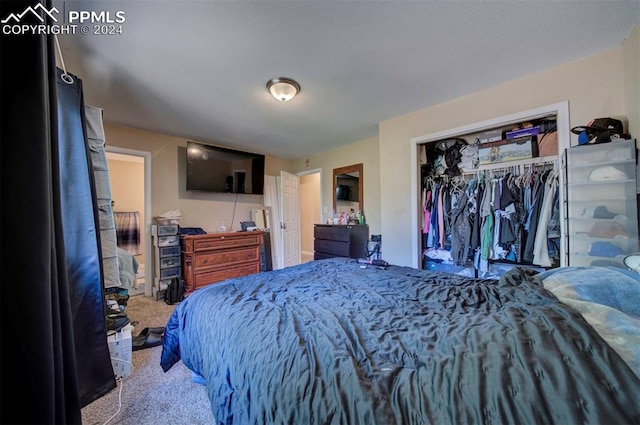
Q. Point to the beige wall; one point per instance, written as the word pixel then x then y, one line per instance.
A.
pixel 168 159
pixel 365 152
pixel 309 209
pixel 631 74
pixel 593 87
pixel 127 191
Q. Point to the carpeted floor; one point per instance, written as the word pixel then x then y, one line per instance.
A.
pixel 148 395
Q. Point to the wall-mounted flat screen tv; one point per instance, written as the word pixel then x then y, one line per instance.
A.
pixel 217 169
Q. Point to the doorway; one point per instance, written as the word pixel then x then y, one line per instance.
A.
pixel 130 180
pixel 310 210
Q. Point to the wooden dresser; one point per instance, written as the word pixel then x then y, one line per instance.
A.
pixel 214 257
pixel 331 240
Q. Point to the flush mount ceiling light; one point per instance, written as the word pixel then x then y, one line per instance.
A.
pixel 283 89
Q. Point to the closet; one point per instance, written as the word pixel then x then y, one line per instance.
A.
pixel 490 195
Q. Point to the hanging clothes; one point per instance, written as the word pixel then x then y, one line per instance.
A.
pixel 432 238
pixel 128 231
pixel 426 210
pixel 441 230
pixel 475 192
pixel 540 247
pixel 534 215
pixel 553 231
pixel 460 228
pixel 486 214
pixel 519 217
pixel 491 216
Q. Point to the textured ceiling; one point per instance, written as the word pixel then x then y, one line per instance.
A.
pixel 198 69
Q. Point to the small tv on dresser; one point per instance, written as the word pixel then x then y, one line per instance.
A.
pixel 217 169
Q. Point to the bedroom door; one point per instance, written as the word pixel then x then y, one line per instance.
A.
pixel 290 202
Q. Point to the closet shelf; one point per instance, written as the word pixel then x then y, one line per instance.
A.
pixel 599 183
pixel 584 237
pixel 599 220
pixel 602 163
pixel 599 201
pixel 594 257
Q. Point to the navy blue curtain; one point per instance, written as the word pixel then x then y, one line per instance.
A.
pixel 80 223
pixel 49 367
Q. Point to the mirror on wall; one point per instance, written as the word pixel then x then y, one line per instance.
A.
pixel 347 188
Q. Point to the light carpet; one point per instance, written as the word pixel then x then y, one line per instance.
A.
pixel 149 395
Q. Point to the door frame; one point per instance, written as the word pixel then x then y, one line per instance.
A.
pixel 148 259
pixel 305 173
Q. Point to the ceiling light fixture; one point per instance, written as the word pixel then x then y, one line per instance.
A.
pixel 283 89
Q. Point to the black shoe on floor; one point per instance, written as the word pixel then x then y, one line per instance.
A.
pixel 117 323
pixel 146 340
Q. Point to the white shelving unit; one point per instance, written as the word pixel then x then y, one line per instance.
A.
pixel 601 209
pixel 167 259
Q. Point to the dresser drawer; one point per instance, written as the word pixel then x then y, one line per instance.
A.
pixel 336 233
pixel 226 242
pixel 225 258
pixel 204 279
pixel 337 248
pixel 322 255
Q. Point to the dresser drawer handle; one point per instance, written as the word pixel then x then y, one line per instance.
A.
pixel 205 261
pixel 207 245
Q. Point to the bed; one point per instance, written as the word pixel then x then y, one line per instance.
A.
pixel 127 268
pixel 333 342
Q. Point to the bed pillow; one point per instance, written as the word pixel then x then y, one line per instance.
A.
pixel 608 298
pixel 611 286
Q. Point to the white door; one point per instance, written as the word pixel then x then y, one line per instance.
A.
pixel 289 200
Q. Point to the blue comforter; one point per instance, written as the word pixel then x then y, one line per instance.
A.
pixel 329 342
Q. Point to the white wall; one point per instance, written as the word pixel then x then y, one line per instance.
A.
pixel 593 86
